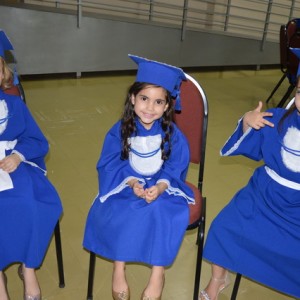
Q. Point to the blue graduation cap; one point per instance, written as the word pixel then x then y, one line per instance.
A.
pixel 166 76
pixel 5 43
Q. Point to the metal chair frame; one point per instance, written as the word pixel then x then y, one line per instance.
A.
pixel 200 222
pixel 59 256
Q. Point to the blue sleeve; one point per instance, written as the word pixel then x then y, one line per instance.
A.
pixel 31 142
pixel 112 170
pixel 244 143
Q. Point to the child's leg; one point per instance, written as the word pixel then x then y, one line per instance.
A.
pixel 31 284
pixel 219 280
pixel 156 282
pixel 3 291
pixel 119 282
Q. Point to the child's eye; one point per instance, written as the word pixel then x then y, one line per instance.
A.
pixel 144 98
pixel 160 102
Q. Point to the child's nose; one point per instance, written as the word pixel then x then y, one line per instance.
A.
pixel 150 105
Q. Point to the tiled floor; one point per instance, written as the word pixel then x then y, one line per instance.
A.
pixel 75 114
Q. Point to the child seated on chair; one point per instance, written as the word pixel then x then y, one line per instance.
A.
pixel 141 212
pixel 258 233
pixel 29 205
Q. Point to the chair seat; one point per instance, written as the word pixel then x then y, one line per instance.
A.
pixel 195 210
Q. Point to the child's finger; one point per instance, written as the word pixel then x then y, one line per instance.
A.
pixel 266 122
pixel 259 106
pixel 267 114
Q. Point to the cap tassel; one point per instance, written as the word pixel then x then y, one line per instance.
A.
pixel 177 102
pixel 16 77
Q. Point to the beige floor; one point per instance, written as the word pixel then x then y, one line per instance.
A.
pixel 75 114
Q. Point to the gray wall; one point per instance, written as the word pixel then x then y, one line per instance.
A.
pixel 48 42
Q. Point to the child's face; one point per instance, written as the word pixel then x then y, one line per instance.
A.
pixel 150 104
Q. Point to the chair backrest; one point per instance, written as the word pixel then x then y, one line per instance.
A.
pixel 192 121
pixel 283 48
pixel 290 103
pixel 16 90
pixel 290 38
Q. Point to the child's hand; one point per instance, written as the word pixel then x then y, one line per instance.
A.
pixel 137 188
pixel 153 192
pixel 255 118
pixel 10 163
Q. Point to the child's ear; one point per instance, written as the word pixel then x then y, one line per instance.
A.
pixel 166 107
pixel 132 98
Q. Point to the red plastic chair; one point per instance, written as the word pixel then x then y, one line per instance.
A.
pixel 289 38
pixel 193 121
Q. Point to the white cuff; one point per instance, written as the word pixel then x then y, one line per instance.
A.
pixel 22 157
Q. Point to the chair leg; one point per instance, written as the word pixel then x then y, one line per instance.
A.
pixel 286 96
pixel 198 269
pixel 21 90
pixel 276 88
pixel 236 286
pixel 59 256
pixel 91 276
pixel 200 243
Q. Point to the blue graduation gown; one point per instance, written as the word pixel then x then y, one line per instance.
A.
pixel 258 233
pixel 120 226
pixel 30 208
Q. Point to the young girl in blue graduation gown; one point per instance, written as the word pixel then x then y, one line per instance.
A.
pixel 29 205
pixel 258 233
pixel 141 212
